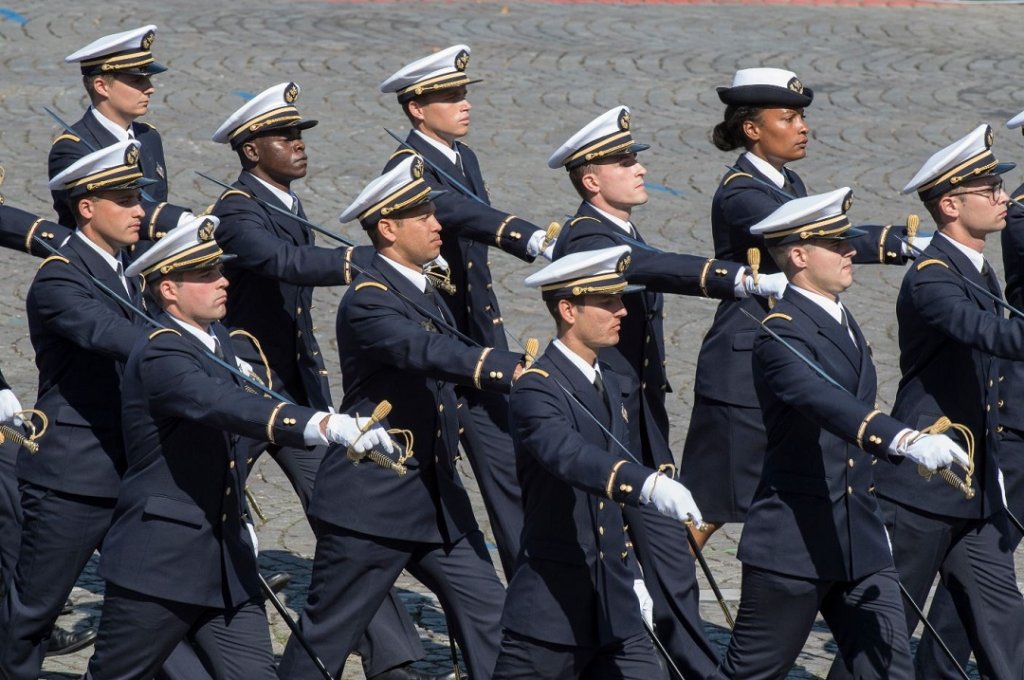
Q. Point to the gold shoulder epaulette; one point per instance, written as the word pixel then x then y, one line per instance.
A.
pixel 371 284
pixel 233 192
pixel 922 265
pixel 777 315
pixel 581 218
pixel 734 176
pixel 55 258
pixel 160 331
pixel 400 152
pixel 149 125
pixel 539 371
pixel 67 135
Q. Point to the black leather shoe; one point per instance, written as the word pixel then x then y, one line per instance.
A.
pixel 68 607
pixel 409 673
pixel 278 581
pixel 67 642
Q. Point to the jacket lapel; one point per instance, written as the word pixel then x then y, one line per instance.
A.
pixel 471 171
pixel 959 262
pixel 101 271
pixel 829 328
pixel 868 383
pixel 97 135
pixel 415 299
pixel 583 390
pixel 286 225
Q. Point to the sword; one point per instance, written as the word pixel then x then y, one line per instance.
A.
pixel 296 631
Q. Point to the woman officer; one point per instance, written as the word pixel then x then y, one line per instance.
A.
pixel 764 115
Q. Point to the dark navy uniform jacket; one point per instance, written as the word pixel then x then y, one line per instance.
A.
pixel 1011 374
pixel 272 281
pixel 18 227
pixel 161 216
pixel 469 228
pixel 951 339
pixel 814 514
pixel 391 350
pixel 82 338
pixel 744 198
pixel 639 358
pixel 178 530
pixel 573 583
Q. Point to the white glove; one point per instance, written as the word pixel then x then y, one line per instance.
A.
pixel 768 285
pixel 919 243
pixel 345 430
pixel 1002 488
pixel 437 263
pixel 934 451
pixel 549 252
pixel 646 603
pixel 246 368
pixel 672 499
pixel 9 405
pixel 252 534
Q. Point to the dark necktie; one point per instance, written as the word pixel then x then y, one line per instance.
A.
pixel 217 351
pixel 458 163
pixel 992 283
pixel 599 386
pixel 787 186
pixel 844 320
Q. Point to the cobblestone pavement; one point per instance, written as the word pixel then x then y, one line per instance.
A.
pixel 893 84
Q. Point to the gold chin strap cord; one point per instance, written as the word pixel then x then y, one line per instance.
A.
pixel 964 485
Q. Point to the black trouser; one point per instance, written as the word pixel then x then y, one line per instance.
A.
pixel 352 574
pixel 777 612
pixel 138 633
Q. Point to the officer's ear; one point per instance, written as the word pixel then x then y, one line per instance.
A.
pixel 387 231
pixel 414 111
pixel 166 291
pixel 797 257
pixel 590 181
pixel 249 152
pixel 566 311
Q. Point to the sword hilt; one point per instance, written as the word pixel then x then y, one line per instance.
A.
pixel 964 485
pixel 380 411
pixel 9 433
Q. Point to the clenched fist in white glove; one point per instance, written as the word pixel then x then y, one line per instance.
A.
pixel 671 498
pixel 345 430
pixel 768 285
pixel 933 451
pixel 9 405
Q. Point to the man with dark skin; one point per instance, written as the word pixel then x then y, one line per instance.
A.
pixel 277 264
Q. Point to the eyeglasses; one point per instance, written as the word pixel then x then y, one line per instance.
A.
pixel 991 192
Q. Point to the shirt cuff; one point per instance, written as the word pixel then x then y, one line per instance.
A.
pixel 648 488
pixel 312 433
pixel 184 217
pixel 894 448
pixel 739 288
